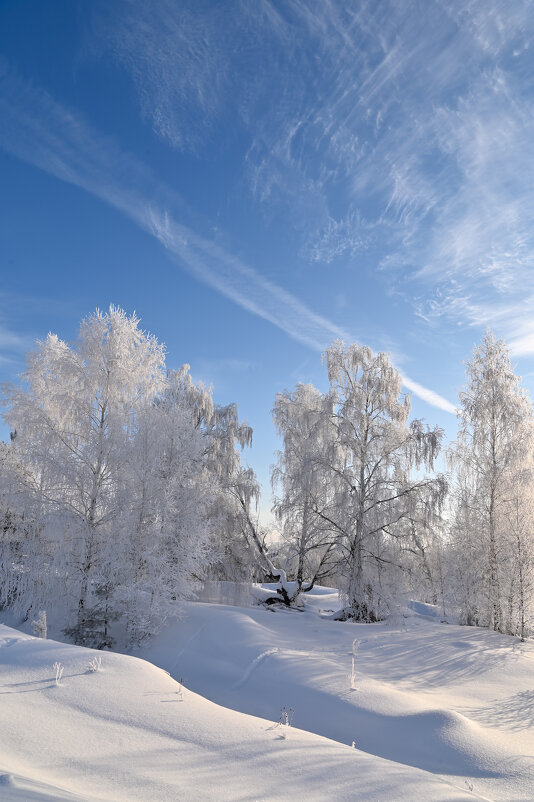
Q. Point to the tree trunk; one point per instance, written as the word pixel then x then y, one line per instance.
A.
pixel 494 586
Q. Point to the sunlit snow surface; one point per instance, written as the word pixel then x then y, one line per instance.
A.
pixel 439 712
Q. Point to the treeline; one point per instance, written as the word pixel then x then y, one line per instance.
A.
pixel 123 486
pixel 354 512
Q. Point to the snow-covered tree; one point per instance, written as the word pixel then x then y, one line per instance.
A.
pixel 235 490
pixel 74 420
pixel 302 418
pixel 519 534
pixel 348 501
pixel 119 467
pixel 422 547
pixel 464 568
pixel 167 520
pixel 492 453
pixel 13 526
pixel 369 464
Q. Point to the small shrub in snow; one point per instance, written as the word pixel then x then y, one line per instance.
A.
pixel 286 717
pixel 58 668
pixel 39 625
pixel 95 664
pixel 355 644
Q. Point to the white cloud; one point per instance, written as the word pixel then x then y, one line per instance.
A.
pixel 241 283
pixel 480 257
pixel 11 340
pixel 408 111
pixel 429 396
pixel 176 59
pixel 397 104
pixel 523 346
pixel 40 131
pixel 347 236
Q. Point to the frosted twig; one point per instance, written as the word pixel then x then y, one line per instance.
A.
pixel 58 668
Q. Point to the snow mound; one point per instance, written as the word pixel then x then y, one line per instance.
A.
pixel 453 701
pixel 128 731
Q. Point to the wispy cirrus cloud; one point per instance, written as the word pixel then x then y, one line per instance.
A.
pixel 241 283
pixel 349 235
pixel 11 340
pixel 180 74
pixel 481 250
pixel 432 398
pixel 40 131
pixel 13 345
pixel 406 124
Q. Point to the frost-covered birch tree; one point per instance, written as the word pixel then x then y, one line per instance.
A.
pixel 519 576
pixel 167 541
pixel 74 418
pixel 348 502
pixel 14 526
pixel 493 453
pixel 234 488
pixel 114 495
pixel 302 418
pixel 465 569
pixel 369 465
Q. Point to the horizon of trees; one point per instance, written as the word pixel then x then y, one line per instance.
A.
pixel 123 487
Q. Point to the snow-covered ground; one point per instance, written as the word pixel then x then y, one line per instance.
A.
pixel 437 712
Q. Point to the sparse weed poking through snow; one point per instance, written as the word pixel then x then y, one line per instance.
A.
pixel 58 668
pixel 39 625
pixel 286 720
pixel 355 645
pixel 286 717
pixel 95 664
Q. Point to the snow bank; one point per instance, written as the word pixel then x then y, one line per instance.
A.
pixel 131 732
pixel 453 701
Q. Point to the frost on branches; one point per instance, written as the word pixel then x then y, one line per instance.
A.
pixel 349 503
pixel 123 486
pixel 375 498
pixel 493 518
pixel 303 418
pixel 113 488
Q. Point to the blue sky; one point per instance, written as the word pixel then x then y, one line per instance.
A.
pixel 256 179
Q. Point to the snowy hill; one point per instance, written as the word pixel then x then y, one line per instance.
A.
pixel 454 701
pixel 440 713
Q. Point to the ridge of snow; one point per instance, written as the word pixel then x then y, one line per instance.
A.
pixel 131 732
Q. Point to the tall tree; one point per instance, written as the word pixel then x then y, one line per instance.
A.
pixel 74 419
pixel 116 480
pixel 494 444
pixel 369 462
pixel 167 523
pixel 519 522
pixel 465 558
pixel 235 490
pixel 302 418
